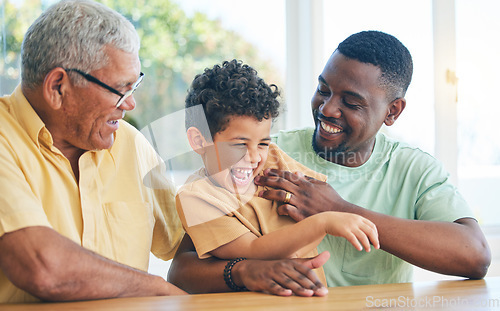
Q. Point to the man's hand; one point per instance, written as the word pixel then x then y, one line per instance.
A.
pixel 279 277
pixel 282 277
pixel 309 196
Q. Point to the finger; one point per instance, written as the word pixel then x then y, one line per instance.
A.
pixel 312 179
pixel 276 289
pixel 317 261
pixel 286 175
pixel 368 235
pixel 292 211
pixel 273 172
pixel 276 195
pixel 271 194
pixel 300 278
pixel 299 174
pixel 364 240
pixel 351 237
pixel 373 234
pixel 299 283
pixel 283 209
pixel 286 196
pixel 314 263
pixel 292 282
pixel 309 280
pixel 275 182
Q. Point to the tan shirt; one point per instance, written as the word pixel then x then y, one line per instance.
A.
pixel 213 216
pixel 110 211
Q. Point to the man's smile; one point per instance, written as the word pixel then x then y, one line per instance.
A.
pixel 332 129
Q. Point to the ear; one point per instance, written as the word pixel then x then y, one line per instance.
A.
pixel 196 140
pixel 394 111
pixel 54 86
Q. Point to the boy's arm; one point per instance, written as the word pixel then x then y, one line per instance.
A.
pixel 286 242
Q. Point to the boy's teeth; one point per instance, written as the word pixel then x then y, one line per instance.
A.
pixel 241 174
pixel 244 171
pixel 330 129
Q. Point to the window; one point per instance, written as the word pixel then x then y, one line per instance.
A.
pixel 478 108
pixel 343 18
pixel 478 150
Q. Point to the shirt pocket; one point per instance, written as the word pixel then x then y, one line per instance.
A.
pixel 130 230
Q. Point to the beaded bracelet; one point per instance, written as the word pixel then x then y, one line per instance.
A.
pixel 227 275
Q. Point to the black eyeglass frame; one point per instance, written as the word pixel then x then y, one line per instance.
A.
pixel 123 96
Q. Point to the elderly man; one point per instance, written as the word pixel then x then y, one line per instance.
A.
pixel 420 217
pixel 76 219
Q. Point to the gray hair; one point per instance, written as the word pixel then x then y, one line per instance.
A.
pixel 73 34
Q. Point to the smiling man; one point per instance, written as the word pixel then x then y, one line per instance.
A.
pixel 420 216
pixel 76 220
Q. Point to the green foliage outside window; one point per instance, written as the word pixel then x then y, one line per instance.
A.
pixel 174 48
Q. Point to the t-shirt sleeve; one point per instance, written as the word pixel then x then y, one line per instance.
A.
pixel 19 206
pixel 208 219
pixel 438 199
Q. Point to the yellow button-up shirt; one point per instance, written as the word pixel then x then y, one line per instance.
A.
pixel 118 208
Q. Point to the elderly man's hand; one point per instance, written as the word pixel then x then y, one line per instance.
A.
pixel 309 196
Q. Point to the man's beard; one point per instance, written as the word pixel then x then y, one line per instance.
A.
pixel 330 154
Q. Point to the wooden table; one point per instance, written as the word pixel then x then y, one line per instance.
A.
pixel 440 295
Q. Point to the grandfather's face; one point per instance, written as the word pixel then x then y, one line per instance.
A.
pixel 90 113
pixel 349 107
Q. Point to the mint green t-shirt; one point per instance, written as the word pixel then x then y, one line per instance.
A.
pixel 397 180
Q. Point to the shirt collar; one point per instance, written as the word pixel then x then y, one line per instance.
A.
pixel 29 119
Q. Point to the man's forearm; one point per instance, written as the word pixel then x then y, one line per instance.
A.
pixel 457 248
pixel 194 275
pixel 51 267
pixel 94 277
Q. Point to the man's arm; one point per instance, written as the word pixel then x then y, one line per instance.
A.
pixel 457 248
pixel 51 267
pixel 278 277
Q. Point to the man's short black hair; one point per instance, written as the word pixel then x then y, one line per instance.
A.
pixel 230 89
pixel 387 53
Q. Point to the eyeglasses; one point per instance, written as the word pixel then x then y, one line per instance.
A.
pixel 123 96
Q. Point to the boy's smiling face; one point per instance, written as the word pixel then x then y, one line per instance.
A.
pixel 240 153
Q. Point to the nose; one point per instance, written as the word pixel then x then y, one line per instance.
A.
pixel 128 104
pixel 331 108
pixel 252 156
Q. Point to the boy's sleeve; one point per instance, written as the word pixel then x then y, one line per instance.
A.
pixel 208 219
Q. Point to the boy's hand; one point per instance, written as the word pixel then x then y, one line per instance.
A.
pixel 358 230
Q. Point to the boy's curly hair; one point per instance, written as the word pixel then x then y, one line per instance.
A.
pixel 233 89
